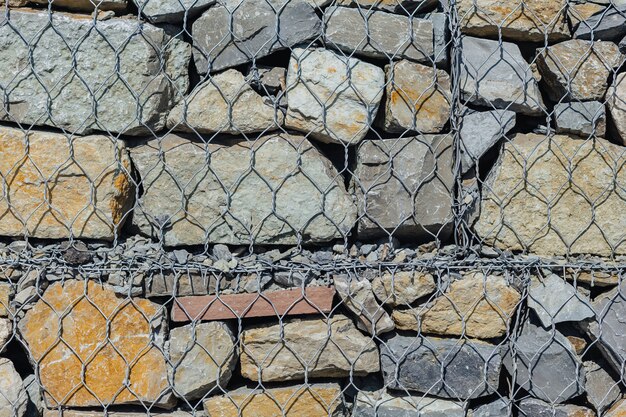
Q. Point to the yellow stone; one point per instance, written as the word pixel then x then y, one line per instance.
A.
pixel 6 290
pixel 618 410
pixel 403 287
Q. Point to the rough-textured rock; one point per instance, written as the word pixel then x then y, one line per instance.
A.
pixel 474 306
pixel 497 408
pixel 545 364
pixel 580 118
pixel 593 278
pixel 308 347
pixel 516 20
pixel 122 76
pixel 618 410
pixel 311 400
pixel 226 203
pixel 83 413
pixel 331 97
pixel 132 338
pixel 578 69
pixel 480 131
pixel 6 292
pixel 82 5
pixel 394 6
pixel 496 75
pixel 416 363
pixel 233 32
pixel 26 162
pixel 417 98
pixel 616 101
pixel 402 288
pixel 555 301
pixel 13 397
pixel 384 404
pixel 537 408
pixel 579 12
pixel 530 204
pixel 171 11
pixel 203 356
pixel 441 38
pixel 358 298
pixel 225 103
pixel 414 199
pixel 6 333
pixel 601 388
pixel 609 25
pixel 367 33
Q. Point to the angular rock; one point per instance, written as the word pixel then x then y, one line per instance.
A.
pixel 497 408
pixel 122 76
pixel 226 203
pixel 545 364
pixel 166 283
pixel 225 103
pixel 392 6
pixel 402 288
pixel 233 32
pixel 310 400
pixel 171 11
pixel 616 101
pixel 580 118
pixel 480 131
pixel 555 301
pixel 6 333
pixel 601 388
pixel 609 25
pixel 82 189
pixel 405 187
pixel 441 38
pixel 104 334
pixel 330 97
pixel 13 397
pixel 366 33
pixel 516 20
pixel 311 348
pixel 537 408
pixel 593 278
pixel 579 12
pixel 384 404
pixel 83 5
pixel 618 410
pixel 496 75
pixel 83 413
pixel 577 69
pixel 417 98
pixel 6 292
pixel 472 369
pixel 533 201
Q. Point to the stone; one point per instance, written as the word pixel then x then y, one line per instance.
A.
pixel 593 278
pixel 545 364
pixel 537 408
pixel 358 298
pixel 402 288
pixel 157 11
pixel 330 97
pixel 498 408
pixel 6 293
pixel 404 187
pixel 475 306
pixel 307 348
pixel 296 193
pixel 365 33
pixel 310 400
pixel 555 301
pixel 103 334
pixel 83 413
pixel 579 12
pixel 232 32
pixel 622 45
pixel 610 25
pixel 578 69
pixel 480 131
pixel 472 368
pixel 584 119
pixel 601 388
pixel 89 190
pixel 516 20
pixel 83 5
pixel 495 75
pixel 225 103
pixel 616 101
pixel 75 252
pixel 618 410
pixel 164 283
pixel 417 98
pixel 6 333
pixel 441 38
pixel 13 397
pixel 121 76
pixel 392 6
pixel 384 404
pixel 203 356
pixel 268 80
pixel 554 195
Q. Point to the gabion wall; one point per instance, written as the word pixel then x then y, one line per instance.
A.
pixel 312 208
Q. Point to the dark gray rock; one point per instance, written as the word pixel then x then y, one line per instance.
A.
pixel 601 388
pixel 222 252
pixel 171 11
pixel 383 404
pixel 556 301
pixel 169 283
pixel 472 369
pixel 532 407
pixel 497 408
pixel 609 25
pixel 622 45
pixel 581 118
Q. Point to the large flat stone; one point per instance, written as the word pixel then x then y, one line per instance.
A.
pixel 294 194
pixel 83 5
pixel 121 76
pixel 498 408
pixel 171 11
pixel 393 6
pixel 13 397
pixel 583 119
pixel 607 25
pixel 384 404
pixel 537 408
pixel 616 102
pixel 480 131
pixel 555 301
pixel 601 388
pixel 49 195
pixel 83 413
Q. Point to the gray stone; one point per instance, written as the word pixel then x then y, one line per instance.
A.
pixel 384 404
pixel 555 301
pixel 292 278
pixel 13 397
pixel 581 118
pixel 622 45
pixel 181 283
pixel 545 364
pixel 330 97
pixel 220 251
pixel 601 388
pixel 412 200
pixel 81 5
pixel 441 38
pixel 495 74
pixel 480 131
pixel 497 408
pixel 171 11
pixel 35 404
pixel 303 198
pixel 366 33
pixel 472 369
pixel 203 357
pixel 235 32
pixel 610 25
pixel 393 6
pixel 268 80
pixel 122 76
pixel 537 408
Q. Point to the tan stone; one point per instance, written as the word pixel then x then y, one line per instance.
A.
pixel 403 287
pixel 56 185
pixel 311 400
pixel 593 278
pixel 6 332
pixel 82 413
pixel 6 291
pixel 618 410
pixel 518 20
pixel 474 306
pixel 105 335
pixel 555 195
pixel 616 101
pixel 579 12
pixel 321 348
pixel 13 397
